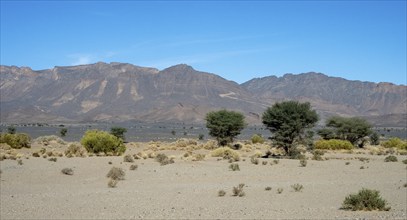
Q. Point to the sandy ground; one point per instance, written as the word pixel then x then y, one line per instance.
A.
pixel 189 189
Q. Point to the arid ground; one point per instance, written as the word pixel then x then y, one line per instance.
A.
pixel 35 188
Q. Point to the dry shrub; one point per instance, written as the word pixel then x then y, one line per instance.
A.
pixel 221 193
pixel 226 153
pixel 303 162
pixel 198 157
pixel 133 167
pixel 36 154
pixel 183 142
pixel 20 162
pixel 264 162
pixel 297 187
pixel 116 173
pixel 45 140
pixel 210 145
pixel 112 183
pixel 254 160
pixel 53 159
pixel 280 190
pixel 395 143
pixel 268 188
pixel 75 150
pixel 234 167
pixel 151 155
pixel 128 158
pixel 67 171
pixel 142 154
pixel 333 144
pixel 238 191
pixel 164 159
pixel 257 139
pixel 257 154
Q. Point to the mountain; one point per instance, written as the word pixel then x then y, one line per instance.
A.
pixel 124 92
pixel 118 92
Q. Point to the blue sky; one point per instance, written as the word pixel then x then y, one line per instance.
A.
pixel 238 40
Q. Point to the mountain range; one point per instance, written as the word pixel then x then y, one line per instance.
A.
pixel 117 92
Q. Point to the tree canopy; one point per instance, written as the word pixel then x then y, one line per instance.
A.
pixel 353 129
pixel 225 125
pixel 288 122
pixel 118 132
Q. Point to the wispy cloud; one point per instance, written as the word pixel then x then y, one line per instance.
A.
pixel 87 58
pixel 80 59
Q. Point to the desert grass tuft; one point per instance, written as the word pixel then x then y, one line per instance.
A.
pixel 297 187
pixel 405 161
pixel 112 183
pixel 268 188
pixel 133 167
pixel 280 190
pixel 53 159
pixel 67 171
pixel 303 162
pixel 238 191
pixel 234 167
pixel 19 162
pixel 264 162
pixel 128 158
pixel 226 153
pixel 116 173
pixel 164 159
pixel 347 163
pixel 390 158
pixel 254 160
pixel 221 193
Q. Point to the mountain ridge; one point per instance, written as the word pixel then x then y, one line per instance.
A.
pixel 121 91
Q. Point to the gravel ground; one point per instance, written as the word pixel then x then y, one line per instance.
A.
pixel 189 190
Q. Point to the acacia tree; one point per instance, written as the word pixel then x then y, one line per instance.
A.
pixel 118 132
pixel 288 121
pixel 224 125
pixel 353 129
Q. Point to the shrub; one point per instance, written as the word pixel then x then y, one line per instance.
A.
pixel 390 158
pixel 234 167
pixel 199 157
pixel 374 138
pixel 238 191
pixel 254 160
pixel 163 159
pixel 67 171
pixel 303 162
pixel 264 162
pixel 365 199
pixel 75 150
pixel 201 137
pixel 405 161
pixel 333 144
pixel 395 143
pixel 63 132
pixel 268 188
pixel 297 187
pixel 257 139
pixel 118 132
pixel 226 153
pixel 317 155
pixel 221 193
pixel 112 183
pixel 96 141
pixel 116 173
pixel 128 158
pixel 20 162
pixel 53 159
pixel 16 141
pixel 133 167
pixel 280 190
pixel 48 138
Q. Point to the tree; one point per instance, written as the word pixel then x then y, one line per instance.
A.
pixel 11 130
pixel 353 129
pixel 63 132
pixel 374 138
pixel 118 132
pixel 288 121
pixel 224 125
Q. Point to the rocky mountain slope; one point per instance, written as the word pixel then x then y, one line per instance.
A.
pixel 123 92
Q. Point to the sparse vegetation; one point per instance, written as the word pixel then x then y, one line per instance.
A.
pixel 76 150
pixel 11 129
pixel 96 141
pixel 16 140
pixel 224 125
pixel 390 158
pixel 112 183
pixel 317 155
pixel 297 187
pixel 221 193
pixel 118 132
pixel 374 138
pixel 254 160
pixel 234 167
pixel 268 188
pixel 347 163
pixel 333 144
pixel 238 191
pixel 280 190
pixel 226 153
pixel 365 199
pixel 405 161
pixel 67 171
pixel 264 162
pixel 20 162
pixel 128 158
pixel 288 122
pixel 133 167
pixel 63 132
pixel 116 173
pixel 163 159
pixel 303 162
pixel 53 159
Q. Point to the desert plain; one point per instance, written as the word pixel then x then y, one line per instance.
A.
pixel 35 188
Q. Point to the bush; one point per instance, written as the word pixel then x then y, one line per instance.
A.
pixel 133 167
pixel 280 190
pixel 254 160
pixel 16 141
pixel 116 173
pixel 390 158
pixel 303 162
pixel 317 155
pixel 67 171
pixel 118 132
pixel 268 188
pixel 257 139
pixel 163 159
pixel 226 153
pixel 333 144
pixel 221 193
pixel 238 191
pixel 395 143
pixel 96 141
pixel 234 167
pixel 75 150
pixel 128 158
pixel 405 161
pixel 112 183
pixel 365 199
pixel 297 187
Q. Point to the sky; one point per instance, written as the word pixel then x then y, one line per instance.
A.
pixel 238 40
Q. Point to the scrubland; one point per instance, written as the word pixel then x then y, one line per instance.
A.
pixel 192 179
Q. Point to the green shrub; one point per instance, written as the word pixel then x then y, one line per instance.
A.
pixel 257 139
pixel 365 199
pixel 96 141
pixel 395 143
pixel 390 158
pixel 333 144
pixel 16 141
